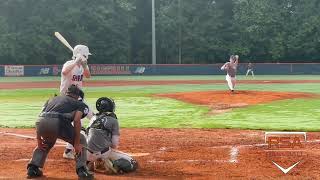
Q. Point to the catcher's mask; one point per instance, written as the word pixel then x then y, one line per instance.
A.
pixel 105 104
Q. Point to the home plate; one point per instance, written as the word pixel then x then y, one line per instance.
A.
pixel 25 160
pixel 138 154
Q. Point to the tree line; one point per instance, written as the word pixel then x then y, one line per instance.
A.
pixel 187 31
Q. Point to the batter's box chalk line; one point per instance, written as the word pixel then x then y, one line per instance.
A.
pixel 61 143
pixel 233 153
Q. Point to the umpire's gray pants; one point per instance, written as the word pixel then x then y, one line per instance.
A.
pixel 50 129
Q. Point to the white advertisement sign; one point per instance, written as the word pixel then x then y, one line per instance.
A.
pixel 12 70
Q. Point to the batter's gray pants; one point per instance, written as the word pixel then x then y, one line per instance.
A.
pixel 50 129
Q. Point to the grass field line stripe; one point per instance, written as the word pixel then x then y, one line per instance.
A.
pixel 26 136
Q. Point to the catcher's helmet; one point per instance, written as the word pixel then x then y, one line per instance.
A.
pixel 105 104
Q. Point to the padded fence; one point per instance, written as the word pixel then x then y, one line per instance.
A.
pixel 1 71
pixel 162 69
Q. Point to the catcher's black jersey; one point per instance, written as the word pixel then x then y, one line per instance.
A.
pixel 65 104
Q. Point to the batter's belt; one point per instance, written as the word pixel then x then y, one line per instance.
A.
pixel 56 115
pixel 101 152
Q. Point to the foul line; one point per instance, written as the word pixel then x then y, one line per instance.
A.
pixel 234 149
pixel 29 137
pixel 62 143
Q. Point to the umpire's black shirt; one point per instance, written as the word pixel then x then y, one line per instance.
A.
pixel 64 105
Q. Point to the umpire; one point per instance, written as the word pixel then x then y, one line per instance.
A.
pixel 55 122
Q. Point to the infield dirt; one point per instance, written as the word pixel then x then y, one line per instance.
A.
pixel 173 154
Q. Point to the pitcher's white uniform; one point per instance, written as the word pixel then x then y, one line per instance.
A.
pixel 231 68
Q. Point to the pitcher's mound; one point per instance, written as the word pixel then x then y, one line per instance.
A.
pixel 223 101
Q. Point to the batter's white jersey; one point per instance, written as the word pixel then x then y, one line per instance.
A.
pixel 75 76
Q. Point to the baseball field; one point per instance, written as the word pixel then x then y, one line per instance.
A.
pixel 177 127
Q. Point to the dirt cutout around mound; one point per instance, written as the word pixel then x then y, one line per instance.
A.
pixel 225 101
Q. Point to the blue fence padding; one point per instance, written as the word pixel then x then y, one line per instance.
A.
pixel 306 68
pixel 1 71
pixel 38 70
pixel 147 69
pixel 182 70
pixel 45 70
pixel 272 69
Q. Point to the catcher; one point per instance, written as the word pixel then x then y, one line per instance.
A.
pixel 103 139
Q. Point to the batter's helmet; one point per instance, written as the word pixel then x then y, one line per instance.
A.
pixel 105 104
pixel 81 49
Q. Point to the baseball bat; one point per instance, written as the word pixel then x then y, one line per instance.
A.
pixel 63 40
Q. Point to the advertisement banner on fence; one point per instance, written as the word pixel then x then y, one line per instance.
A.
pixel 11 70
pixel 101 69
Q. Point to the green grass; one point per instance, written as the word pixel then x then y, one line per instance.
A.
pixel 137 108
pixel 296 114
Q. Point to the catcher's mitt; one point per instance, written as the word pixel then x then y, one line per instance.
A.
pixel 99 164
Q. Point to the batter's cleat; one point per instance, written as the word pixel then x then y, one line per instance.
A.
pixel 108 164
pixel 68 154
pixel 83 173
pixel 33 171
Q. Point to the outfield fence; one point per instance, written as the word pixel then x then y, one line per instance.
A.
pixel 163 69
